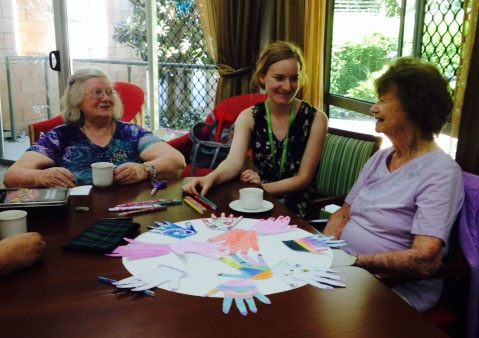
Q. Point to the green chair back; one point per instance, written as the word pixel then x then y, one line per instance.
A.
pixel 341 161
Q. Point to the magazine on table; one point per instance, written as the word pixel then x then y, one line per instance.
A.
pixel 33 197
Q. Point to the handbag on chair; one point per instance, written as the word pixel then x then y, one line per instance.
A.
pixel 211 144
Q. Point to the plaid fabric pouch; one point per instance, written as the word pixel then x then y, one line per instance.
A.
pixel 104 236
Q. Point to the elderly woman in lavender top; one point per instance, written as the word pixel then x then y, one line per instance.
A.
pixel 93 133
pixel 399 214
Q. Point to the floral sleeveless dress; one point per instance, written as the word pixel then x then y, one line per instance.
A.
pixel 298 138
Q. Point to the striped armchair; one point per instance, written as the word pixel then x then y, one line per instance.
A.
pixel 344 155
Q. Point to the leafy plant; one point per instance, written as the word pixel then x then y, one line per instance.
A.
pixel 353 63
pixel 180 38
pixel 180 46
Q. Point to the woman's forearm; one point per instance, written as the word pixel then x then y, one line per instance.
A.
pixel 287 185
pixel 21 177
pixel 410 262
pixel 227 170
pixel 337 222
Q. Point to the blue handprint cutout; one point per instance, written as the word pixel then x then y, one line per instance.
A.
pixel 248 267
pixel 174 230
pixel 241 290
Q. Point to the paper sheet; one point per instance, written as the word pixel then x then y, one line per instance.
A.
pixel 82 190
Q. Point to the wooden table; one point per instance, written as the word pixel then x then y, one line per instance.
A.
pixel 61 297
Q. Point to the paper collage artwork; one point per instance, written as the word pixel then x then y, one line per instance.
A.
pixel 207 266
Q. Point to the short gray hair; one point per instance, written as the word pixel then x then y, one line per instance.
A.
pixel 73 96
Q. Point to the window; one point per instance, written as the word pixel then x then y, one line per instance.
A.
pixel 364 35
pixel 187 74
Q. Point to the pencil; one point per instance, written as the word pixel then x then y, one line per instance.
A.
pixel 196 203
pixel 215 207
pixel 193 206
pixel 109 281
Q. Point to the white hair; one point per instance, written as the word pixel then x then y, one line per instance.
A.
pixel 73 96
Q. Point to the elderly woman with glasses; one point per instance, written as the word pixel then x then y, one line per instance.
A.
pixel 93 133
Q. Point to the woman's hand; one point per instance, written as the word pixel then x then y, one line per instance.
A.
pixel 251 176
pixel 205 182
pixel 55 177
pixel 129 173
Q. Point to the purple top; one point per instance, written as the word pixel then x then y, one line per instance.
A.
pixel 423 197
pixel 68 147
pixel 469 239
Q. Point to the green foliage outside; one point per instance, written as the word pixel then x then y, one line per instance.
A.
pixel 180 38
pixel 180 41
pixel 353 65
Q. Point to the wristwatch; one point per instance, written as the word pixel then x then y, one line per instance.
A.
pixel 150 171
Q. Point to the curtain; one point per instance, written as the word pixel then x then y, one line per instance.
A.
pixel 287 21
pixel 466 110
pixel 231 29
pixel 314 51
pixel 468 34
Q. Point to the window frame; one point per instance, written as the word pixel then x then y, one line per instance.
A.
pixel 360 106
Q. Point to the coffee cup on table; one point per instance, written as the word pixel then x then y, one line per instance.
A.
pixel 102 174
pixel 251 198
pixel 12 222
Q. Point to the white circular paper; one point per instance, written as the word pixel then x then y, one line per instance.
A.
pixel 203 272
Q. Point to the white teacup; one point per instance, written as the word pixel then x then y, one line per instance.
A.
pixel 12 222
pixel 102 174
pixel 251 198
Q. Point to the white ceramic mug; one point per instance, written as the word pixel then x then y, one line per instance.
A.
pixel 102 174
pixel 251 198
pixel 12 222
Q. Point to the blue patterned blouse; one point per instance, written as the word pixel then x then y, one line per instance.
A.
pixel 68 147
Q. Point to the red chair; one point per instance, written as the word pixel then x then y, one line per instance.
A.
pixel 36 130
pixel 131 96
pixel 133 99
pixel 225 113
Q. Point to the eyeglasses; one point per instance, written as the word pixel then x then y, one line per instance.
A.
pixel 98 93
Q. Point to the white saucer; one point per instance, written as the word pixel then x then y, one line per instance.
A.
pixel 266 206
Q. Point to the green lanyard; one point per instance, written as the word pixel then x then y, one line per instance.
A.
pixel 286 141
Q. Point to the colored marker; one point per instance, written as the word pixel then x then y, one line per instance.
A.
pixel 214 206
pixel 203 202
pixel 160 200
pixel 109 281
pixel 152 208
pixel 196 203
pixel 143 206
pixel 187 202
